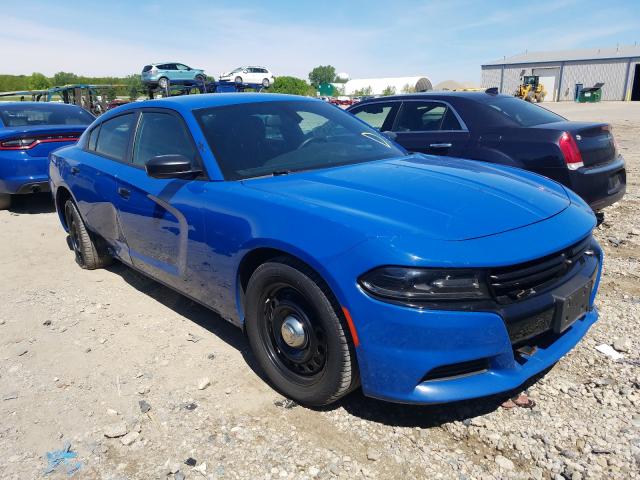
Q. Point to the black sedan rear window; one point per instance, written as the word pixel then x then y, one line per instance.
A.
pixel 45 114
pixel 524 114
pixel 276 137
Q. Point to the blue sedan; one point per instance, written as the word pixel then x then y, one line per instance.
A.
pixel 346 260
pixel 29 131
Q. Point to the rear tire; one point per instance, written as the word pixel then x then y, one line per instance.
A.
pixel 265 82
pixel 322 367
pixel 88 253
pixel 5 201
pixel 163 83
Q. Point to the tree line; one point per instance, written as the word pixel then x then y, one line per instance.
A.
pixel 132 86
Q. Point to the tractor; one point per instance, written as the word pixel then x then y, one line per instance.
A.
pixel 530 89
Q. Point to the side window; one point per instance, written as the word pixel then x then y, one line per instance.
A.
pixel 161 134
pixel 180 66
pixel 93 138
pixel 113 139
pixel 375 114
pixel 425 117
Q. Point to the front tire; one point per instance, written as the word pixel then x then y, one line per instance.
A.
pixel 200 79
pixel 86 249
pixel 297 333
pixel 238 80
pixel 5 201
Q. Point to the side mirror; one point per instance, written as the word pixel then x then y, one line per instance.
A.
pixel 390 135
pixel 170 166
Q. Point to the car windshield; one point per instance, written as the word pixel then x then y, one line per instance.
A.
pixel 523 113
pixel 45 114
pixel 279 137
pixel 236 70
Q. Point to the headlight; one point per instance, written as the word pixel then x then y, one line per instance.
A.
pixel 425 284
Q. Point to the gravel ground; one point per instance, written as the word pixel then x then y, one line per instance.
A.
pixel 137 380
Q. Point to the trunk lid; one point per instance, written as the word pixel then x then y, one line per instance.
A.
pixel 42 139
pixel 595 140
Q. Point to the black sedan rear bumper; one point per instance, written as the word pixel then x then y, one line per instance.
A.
pixel 602 185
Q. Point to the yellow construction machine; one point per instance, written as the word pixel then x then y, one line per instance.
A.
pixel 531 89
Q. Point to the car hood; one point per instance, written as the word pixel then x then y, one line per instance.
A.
pixel 438 197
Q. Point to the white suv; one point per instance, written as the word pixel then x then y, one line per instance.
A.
pixel 249 74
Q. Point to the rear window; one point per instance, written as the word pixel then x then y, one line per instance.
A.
pixel 522 113
pixel 45 114
pixel 146 68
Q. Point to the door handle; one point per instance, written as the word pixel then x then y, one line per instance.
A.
pixel 124 193
pixel 75 170
pixel 440 145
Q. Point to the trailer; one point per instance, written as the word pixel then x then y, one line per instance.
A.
pixel 171 90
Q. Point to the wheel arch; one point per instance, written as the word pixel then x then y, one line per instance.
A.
pixel 62 195
pixel 258 255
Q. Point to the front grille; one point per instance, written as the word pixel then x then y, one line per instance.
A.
pixel 456 370
pixel 517 282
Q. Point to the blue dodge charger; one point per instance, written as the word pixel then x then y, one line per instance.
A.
pixel 28 132
pixel 346 260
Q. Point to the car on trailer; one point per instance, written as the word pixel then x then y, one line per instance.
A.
pixel 29 131
pixel 346 260
pixel 505 130
pixel 163 74
pixel 249 74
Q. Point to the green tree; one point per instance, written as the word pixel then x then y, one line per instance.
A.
pixel 291 85
pixel 361 92
pixel 110 93
pixel 322 74
pixel 389 90
pixel 408 89
pixel 134 86
pixel 64 78
pixel 38 81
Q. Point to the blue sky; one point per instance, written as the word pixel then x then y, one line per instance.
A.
pixel 365 38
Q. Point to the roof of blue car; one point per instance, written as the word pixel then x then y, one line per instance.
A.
pixel 214 100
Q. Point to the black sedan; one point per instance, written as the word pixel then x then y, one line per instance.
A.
pixel 505 130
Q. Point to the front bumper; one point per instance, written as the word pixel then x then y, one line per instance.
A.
pixel 401 347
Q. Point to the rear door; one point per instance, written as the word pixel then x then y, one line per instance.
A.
pixel 380 115
pixel 432 127
pixel 161 218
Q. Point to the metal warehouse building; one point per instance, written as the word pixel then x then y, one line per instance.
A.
pixel 563 73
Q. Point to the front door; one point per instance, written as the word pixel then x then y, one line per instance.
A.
pixel 159 218
pixel 430 127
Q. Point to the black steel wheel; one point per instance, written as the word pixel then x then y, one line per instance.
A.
pixel 85 248
pixel 297 333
